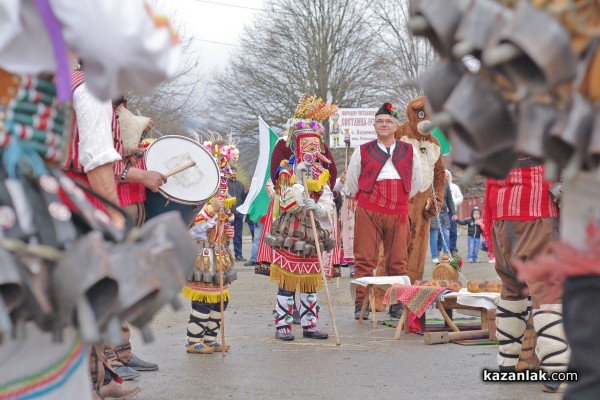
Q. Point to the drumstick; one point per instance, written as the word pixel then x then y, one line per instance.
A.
pixel 182 168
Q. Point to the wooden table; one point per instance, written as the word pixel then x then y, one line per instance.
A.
pixel 372 282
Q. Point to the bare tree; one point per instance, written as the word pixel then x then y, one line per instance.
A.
pixel 406 56
pixel 320 47
pixel 179 98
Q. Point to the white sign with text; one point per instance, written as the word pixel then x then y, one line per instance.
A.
pixel 353 124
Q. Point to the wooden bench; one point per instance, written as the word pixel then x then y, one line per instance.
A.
pixel 446 307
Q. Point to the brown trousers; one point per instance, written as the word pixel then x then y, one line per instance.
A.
pixel 372 228
pixel 98 365
pixel 522 240
pixel 103 357
pixel 116 356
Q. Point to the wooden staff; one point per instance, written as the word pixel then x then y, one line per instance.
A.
pixel 180 169
pixel 447 337
pixel 347 143
pixel 220 233
pixel 322 267
pixel 219 237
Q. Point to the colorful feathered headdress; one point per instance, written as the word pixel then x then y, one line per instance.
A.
pixel 225 150
pixel 309 114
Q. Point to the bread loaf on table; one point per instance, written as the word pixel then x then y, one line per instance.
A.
pixel 450 284
pixel 480 285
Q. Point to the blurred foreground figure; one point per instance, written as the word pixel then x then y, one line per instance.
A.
pixel 44 336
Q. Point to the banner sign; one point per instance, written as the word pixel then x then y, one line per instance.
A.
pixel 353 124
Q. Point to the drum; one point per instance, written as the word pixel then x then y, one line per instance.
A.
pixel 187 190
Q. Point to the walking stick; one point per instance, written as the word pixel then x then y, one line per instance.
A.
pixel 347 143
pixel 219 237
pixel 220 233
pixel 322 268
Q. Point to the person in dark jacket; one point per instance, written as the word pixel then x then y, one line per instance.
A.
pixel 446 214
pixel 473 233
pixel 236 189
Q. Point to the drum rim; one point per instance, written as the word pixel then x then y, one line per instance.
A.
pixel 174 199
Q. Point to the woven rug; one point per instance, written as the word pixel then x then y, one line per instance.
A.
pixel 416 298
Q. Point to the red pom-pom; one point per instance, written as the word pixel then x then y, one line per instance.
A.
pixel 389 106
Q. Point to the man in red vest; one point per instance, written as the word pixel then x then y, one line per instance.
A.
pixel 382 174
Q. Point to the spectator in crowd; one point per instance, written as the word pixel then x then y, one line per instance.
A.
pixel 236 189
pixel 474 223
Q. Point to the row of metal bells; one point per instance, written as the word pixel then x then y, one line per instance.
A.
pixel 95 283
pixel 524 53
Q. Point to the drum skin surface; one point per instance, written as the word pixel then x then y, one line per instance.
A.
pixel 191 186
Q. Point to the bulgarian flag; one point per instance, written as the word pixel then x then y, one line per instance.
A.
pixel 257 200
pixel 444 144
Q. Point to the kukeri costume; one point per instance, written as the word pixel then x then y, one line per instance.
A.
pixel 211 231
pixel 282 152
pixel 295 265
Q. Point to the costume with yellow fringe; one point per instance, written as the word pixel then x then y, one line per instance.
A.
pixel 211 232
pixel 295 264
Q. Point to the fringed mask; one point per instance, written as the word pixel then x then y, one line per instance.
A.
pixel 308 147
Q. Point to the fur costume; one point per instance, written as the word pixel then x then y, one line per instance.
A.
pixel 421 206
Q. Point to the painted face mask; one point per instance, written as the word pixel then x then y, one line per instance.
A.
pixel 309 147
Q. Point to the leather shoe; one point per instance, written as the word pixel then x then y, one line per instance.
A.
pixel 240 258
pixel 287 336
pixel 114 390
pixel 357 312
pixel 314 334
pixel 249 263
pixel 140 365
pixel 126 373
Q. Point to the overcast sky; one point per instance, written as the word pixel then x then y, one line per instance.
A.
pixel 214 25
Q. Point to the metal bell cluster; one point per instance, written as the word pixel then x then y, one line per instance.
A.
pixel 56 274
pixel 293 232
pixel 521 101
pixel 209 261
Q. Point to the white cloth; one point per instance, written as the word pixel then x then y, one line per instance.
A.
pixel 325 203
pixel 94 122
pixel 198 231
pixel 457 195
pixel 37 367
pixel 339 186
pixel 124 46
pixel 387 172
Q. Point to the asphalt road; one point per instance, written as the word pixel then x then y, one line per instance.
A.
pixel 369 364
